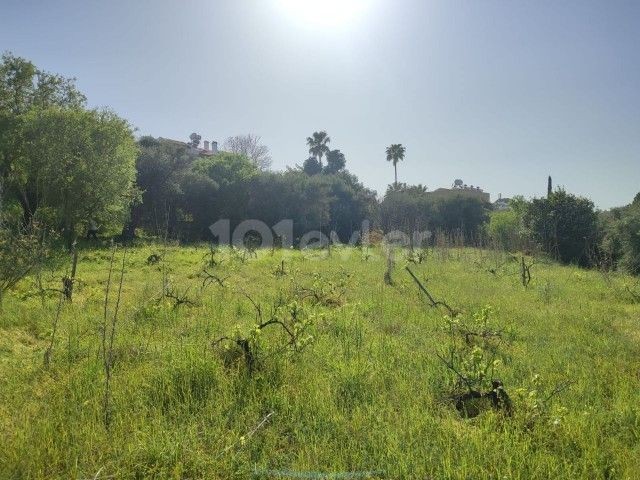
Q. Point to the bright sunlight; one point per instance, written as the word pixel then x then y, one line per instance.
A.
pixel 324 13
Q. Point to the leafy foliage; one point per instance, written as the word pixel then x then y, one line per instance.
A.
pixel 564 225
pixel 318 144
pixel 335 162
pixel 505 228
pixel 312 166
pixel 22 249
pixel 395 153
pixel 620 229
pixel 78 165
pixel 23 86
pixel 412 208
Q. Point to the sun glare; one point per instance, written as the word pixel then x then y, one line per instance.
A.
pixel 324 13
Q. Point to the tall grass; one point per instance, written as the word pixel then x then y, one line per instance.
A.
pixel 368 394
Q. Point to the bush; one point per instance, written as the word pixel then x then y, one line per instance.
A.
pixel 621 236
pixel 504 228
pixel 630 239
pixel 411 208
pixel 21 250
pixel 564 225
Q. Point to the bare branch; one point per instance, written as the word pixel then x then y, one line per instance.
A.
pixel 250 146
pixel 432 301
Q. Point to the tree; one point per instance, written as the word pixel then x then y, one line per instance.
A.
pixel 24 87
pixel 395 153
pixel 318 145
pixel 349 203
pixel 335 162
pixel 549 186
pixel 195 139
pixel 250 146
pixel 629 234
pixel 461 214
pixel 411 208
pixel 406 208
pixel 620 242
pixel 232 175
pixel 312 166
pixel 564 225
pixel 76 165
pixel 504 229
pixel 161 167
pixel 290 195
pixel 336 202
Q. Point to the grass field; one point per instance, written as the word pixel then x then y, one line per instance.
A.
pixel 356 385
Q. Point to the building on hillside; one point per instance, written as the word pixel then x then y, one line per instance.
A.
pixel 208 149
pixel 461 188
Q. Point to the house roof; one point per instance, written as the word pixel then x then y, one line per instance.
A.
pixel 201 151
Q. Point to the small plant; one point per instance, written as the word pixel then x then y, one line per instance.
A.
pixel 153 259
pixel 472 355
pixel 525 271
pixel 179 297
pixel 108 335
pixel 209 277
pixel 292 318
pixel 241 255
pixel 365 251
pixel 535 403
pixel 252 242
pixel 212 257
pixel 323 291
pixel 388 280
pixel 280 270
pixel 546 291
pixel 211 263
pixel 633 292
pixel 48 354
pixel 68 281
pixel 22 249
pixel 417 256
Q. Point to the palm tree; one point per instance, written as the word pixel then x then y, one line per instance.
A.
pixel 318 145
pixel 395 153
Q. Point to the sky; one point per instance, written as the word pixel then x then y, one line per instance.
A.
pixel 497 93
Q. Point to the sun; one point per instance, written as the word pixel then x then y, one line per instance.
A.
pixel 324 13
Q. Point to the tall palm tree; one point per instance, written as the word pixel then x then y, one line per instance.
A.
pixel 318 145
pixel 395 153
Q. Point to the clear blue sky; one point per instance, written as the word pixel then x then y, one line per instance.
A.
pixel 498 93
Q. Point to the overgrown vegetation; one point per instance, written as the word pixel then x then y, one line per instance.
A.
pixel 352 374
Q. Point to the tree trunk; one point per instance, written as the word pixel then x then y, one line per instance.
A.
pixel 395 170
pixel 69 236
pixel 27 213
pixel 129 228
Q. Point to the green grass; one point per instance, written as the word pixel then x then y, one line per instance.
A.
pixel 367 394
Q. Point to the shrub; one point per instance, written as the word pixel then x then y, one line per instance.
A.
pixel 564 225
pixel 21 250
pixel 504 229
